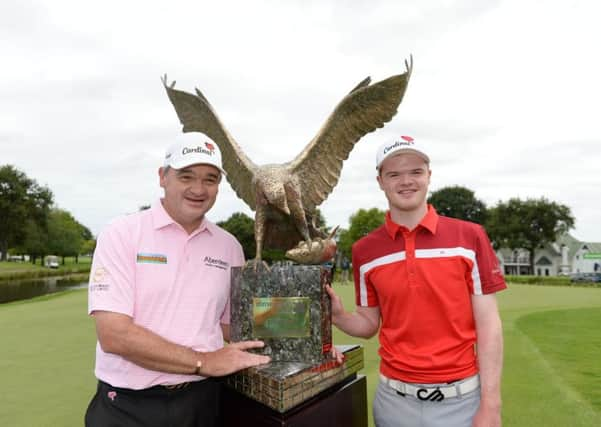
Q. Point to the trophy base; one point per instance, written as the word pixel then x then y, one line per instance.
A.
pixel 284 385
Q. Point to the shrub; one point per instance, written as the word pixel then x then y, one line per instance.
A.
pixel 548 281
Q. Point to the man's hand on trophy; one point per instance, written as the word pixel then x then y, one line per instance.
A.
pixel 232 358
pixel 337 306
pixel 337 354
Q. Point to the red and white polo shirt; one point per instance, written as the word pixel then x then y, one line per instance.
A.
pixel 423 281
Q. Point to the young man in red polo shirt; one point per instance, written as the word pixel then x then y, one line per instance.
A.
pixel 427 283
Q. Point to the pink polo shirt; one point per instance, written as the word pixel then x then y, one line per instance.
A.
pixel 177 285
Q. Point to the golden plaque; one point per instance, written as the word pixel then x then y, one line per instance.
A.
pixel 281 317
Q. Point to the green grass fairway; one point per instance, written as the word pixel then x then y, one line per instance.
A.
pixel 10 267
pixel 46 361
pixel 571 341
pixel 535 391
pixel 551 375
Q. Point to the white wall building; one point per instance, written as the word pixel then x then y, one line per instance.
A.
pixel 565 256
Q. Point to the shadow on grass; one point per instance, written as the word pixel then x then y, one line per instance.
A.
pixel 571 343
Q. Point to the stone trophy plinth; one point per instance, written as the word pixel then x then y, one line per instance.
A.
pixel 288 308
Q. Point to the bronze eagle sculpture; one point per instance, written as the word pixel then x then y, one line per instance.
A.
pixel 285 196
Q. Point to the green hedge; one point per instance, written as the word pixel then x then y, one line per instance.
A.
pixel 47 272
pixel 548 281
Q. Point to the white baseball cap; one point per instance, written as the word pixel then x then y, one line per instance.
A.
pixel 193 148
pixel 401 144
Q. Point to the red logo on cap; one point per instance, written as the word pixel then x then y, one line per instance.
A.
pixel 407 138
pixel 210 146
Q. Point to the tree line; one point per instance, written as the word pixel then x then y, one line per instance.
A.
pixel 31 224
pixel 515 224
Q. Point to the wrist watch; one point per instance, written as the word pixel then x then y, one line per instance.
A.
pixel 198 367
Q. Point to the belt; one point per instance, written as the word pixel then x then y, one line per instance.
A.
pixel 176 386
pixel 433 393
pixel 157 390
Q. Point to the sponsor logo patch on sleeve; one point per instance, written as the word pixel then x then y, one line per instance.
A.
pixel 100 277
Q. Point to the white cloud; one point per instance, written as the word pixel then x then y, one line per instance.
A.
pixel 506 93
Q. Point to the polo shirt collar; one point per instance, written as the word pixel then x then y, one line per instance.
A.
pixel 428 222
pixel 160 219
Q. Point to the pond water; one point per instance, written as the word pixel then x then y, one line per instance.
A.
pixel 15 290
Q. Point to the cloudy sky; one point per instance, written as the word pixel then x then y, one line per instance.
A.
pixel 506 93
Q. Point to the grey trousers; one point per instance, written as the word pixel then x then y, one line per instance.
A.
pixel 391 409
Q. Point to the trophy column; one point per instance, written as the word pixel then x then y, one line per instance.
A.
pixel 288 308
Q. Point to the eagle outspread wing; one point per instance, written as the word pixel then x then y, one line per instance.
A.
pixel 197 115
pixel 365 108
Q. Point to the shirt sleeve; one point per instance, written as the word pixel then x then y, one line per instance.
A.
pixel 491 276
pixel 111 286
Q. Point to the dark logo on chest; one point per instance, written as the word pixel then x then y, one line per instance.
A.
pixel 217 263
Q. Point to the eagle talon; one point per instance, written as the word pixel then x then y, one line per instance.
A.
pixel 315 251
pixel 255 263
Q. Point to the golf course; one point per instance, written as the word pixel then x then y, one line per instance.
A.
pixel 552 372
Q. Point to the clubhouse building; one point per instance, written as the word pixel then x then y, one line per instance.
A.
pixel 565 256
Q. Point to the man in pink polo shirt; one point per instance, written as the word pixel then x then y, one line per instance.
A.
pixel 159 294
pixel 427 284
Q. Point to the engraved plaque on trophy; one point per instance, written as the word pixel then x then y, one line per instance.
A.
pixel 281 317
pixel 287 307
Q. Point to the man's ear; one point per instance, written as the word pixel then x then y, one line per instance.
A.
pixel 162 174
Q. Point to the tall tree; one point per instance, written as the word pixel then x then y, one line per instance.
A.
pixel 21 198
pixel 88 247
pixel 344 243
pixel 65 234
pixel 362 222
pixel 35 243
pixel 86 234
pixel 459 202
pixel 529 224
pixel 243 228
pixel 87 241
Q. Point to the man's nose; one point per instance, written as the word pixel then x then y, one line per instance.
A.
pixel 404 179
pixel 198 187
